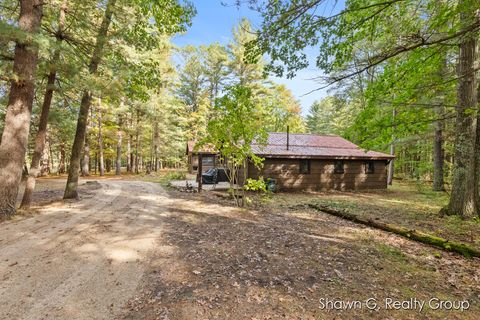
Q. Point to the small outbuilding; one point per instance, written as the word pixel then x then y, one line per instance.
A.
pixel 309 162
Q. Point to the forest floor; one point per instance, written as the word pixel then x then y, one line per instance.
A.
pixel 130 250
pixel 407 204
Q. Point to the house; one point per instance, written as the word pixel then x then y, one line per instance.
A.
pixel 210 158
pixel 309 162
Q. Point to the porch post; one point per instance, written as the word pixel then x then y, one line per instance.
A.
pixel 199 172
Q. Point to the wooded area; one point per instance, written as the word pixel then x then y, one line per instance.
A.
pixel 404 75
pixel 105 90
pixel 109 94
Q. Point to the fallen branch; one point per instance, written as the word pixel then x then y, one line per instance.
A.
pixel 416 235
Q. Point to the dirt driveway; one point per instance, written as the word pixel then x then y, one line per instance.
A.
pixel 129 250
pixel 80 260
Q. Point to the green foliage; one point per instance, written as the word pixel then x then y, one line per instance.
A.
pixel 236 122
pixel 176 175
pixel 256 185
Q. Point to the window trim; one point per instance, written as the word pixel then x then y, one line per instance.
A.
pixel 335 169
pixel 307 161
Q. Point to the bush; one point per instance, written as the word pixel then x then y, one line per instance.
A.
pixel 256 185
pixel 176 175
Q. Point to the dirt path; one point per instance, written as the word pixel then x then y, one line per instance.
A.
pixel 80 260
pixel 129 250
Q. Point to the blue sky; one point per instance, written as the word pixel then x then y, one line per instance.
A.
pixel 214 23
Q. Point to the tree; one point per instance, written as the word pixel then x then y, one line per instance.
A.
pixel 245 72
pixel 215 68
pixel 192 78
pixel 327 115
pixel 47 101
pixel 78 143
pixel 282 109
pixel 236 123
pixel 15 133
pixel 463 198
pixel 396 31
pixel 167 16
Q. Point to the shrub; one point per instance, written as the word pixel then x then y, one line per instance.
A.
pixel 176 175
pixel 256 185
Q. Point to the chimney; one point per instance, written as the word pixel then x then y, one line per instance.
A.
pixel 288 137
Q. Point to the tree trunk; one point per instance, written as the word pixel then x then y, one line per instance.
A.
pixel 391 164
pixel 72 181
pixel 462 199
pixel 129 154
pixel 108 164
pixel 41 136
pixel 19 108
pixel 100 143
pixel 155 137
pixel 45 162
pixel 86 159
pixel 62 165
pixel 438 153
pixel 118 162
pixel 137 143
pixel 477 156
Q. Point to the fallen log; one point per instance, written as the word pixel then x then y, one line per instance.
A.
pixel 416 235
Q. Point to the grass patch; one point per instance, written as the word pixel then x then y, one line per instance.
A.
pixel 164 177
pixel 391 252
pixel 409 205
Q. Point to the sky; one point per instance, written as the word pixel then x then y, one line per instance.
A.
pixel 214 23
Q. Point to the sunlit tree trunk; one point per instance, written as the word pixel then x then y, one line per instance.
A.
pixel 19 107
pixel 391 164
pixel 462 199
pixel 137 142
pixel 72 181
pixel 129 152
pixel 86 159
pixel 438 153
pixel 42 126
pixel 100 141
pixel 118 162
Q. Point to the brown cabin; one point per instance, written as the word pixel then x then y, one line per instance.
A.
pixel 309 162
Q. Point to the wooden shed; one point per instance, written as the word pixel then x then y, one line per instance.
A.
pixel 316 162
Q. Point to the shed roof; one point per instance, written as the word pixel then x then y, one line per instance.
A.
pixel 206 149
pixel 303 145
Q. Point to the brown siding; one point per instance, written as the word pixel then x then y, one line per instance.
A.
pixel 321 176
pixel 193 162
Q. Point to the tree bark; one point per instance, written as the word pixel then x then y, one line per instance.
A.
pixel 100 143
pixel 129 154
pixel 118 162
pixel 438 152
pixel 108 163
pixel 391 164
pixel 72 181
pixel 42 126
pixel 86 159
pixel 45 161
pixel 462 199
pixel 477 154
pixel 62 165
pixel 19 108
pixel 137 143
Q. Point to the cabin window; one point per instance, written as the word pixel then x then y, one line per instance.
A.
pixel 207 160
pixel 369 167
pixel 339 166
pixel 304 166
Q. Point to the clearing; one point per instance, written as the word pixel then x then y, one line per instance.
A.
pixel 130 250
